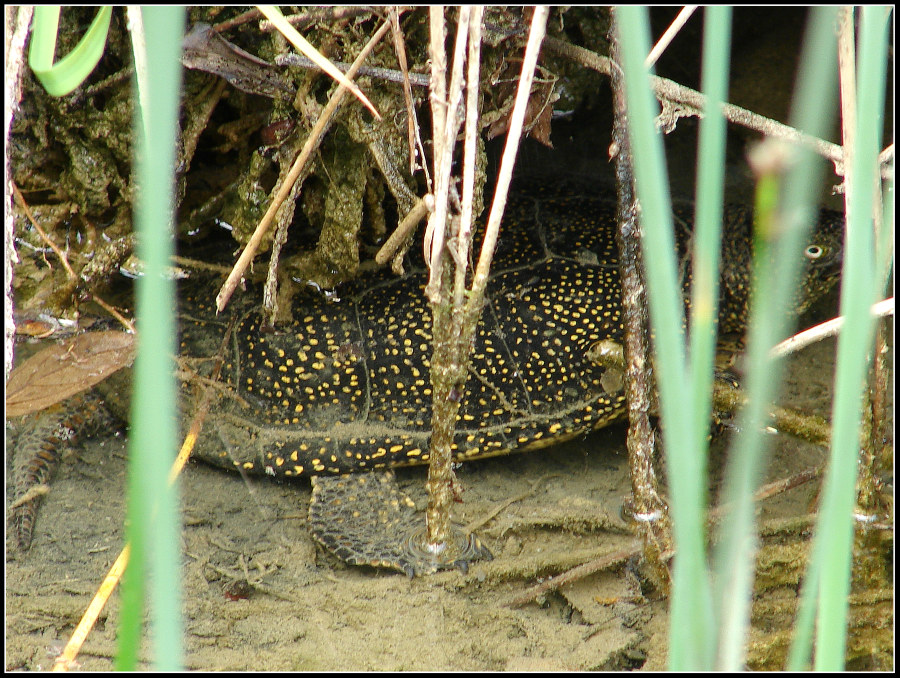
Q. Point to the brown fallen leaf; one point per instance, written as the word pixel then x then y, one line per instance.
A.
pixel 204 49
pixel 538 111
pixel 62 370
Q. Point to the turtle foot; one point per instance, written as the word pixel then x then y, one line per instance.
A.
pixel 364 519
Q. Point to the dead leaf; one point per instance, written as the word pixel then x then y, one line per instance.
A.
pixel 62 370
pixel 538 111
pixel 205 50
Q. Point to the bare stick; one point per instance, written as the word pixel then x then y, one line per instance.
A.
pixel 196 123
pixel 667 37
pixel 444 364
pixel 618 558
pixel 437 32
pixel 672 91
pixel 324 14
pixel 847 68
pixel 469 149
pixel 445 128
pixel 412 122
pixel 389 74
pixel 401 233
pixel 645 504
pixel 535 39
pixel 126 323
pixel 608 562
pixel 826 329
pixel 246 17
pixel 302 44
pixel 52 245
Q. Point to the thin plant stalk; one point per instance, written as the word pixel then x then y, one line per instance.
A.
pixel 689 644
pixel 784 216
pixel 828 578
pixel 153 520
pixel 453 335
pixel 704 299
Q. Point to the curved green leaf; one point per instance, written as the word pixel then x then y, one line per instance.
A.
pixel 65 75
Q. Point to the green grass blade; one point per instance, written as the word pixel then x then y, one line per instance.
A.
pixel 153 527
pixel 65 75
pixel 777 266
pixel 708 219
pixel 691 623
pixel 858 292
pixel 831 550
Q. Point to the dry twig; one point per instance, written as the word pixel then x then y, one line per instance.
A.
pixel 669 91
pixel 618 558
pixel 323 14
pixel 275 16
pixel 412 123
pixel 52 245
pixel 677 24
pixel 422 207
pixel 387 74
pixel 823 330
pixel 444 106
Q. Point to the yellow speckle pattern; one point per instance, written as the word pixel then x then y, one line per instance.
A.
pixel 345 386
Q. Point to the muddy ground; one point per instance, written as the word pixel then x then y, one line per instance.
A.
pixel 307 611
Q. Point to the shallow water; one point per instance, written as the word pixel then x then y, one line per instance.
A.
pixel 307 611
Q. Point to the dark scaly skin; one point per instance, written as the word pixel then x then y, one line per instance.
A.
pixel 317 407
pixel 344 387
pixel 39 450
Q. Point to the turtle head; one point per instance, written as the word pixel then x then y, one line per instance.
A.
pixel 822 255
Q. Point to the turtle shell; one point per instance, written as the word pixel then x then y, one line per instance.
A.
pixel 345 386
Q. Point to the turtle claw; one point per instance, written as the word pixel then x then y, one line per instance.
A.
pixel 364 519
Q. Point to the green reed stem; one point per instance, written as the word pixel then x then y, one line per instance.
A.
pixel 153 520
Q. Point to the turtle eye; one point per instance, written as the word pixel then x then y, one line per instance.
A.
pixel 813 252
